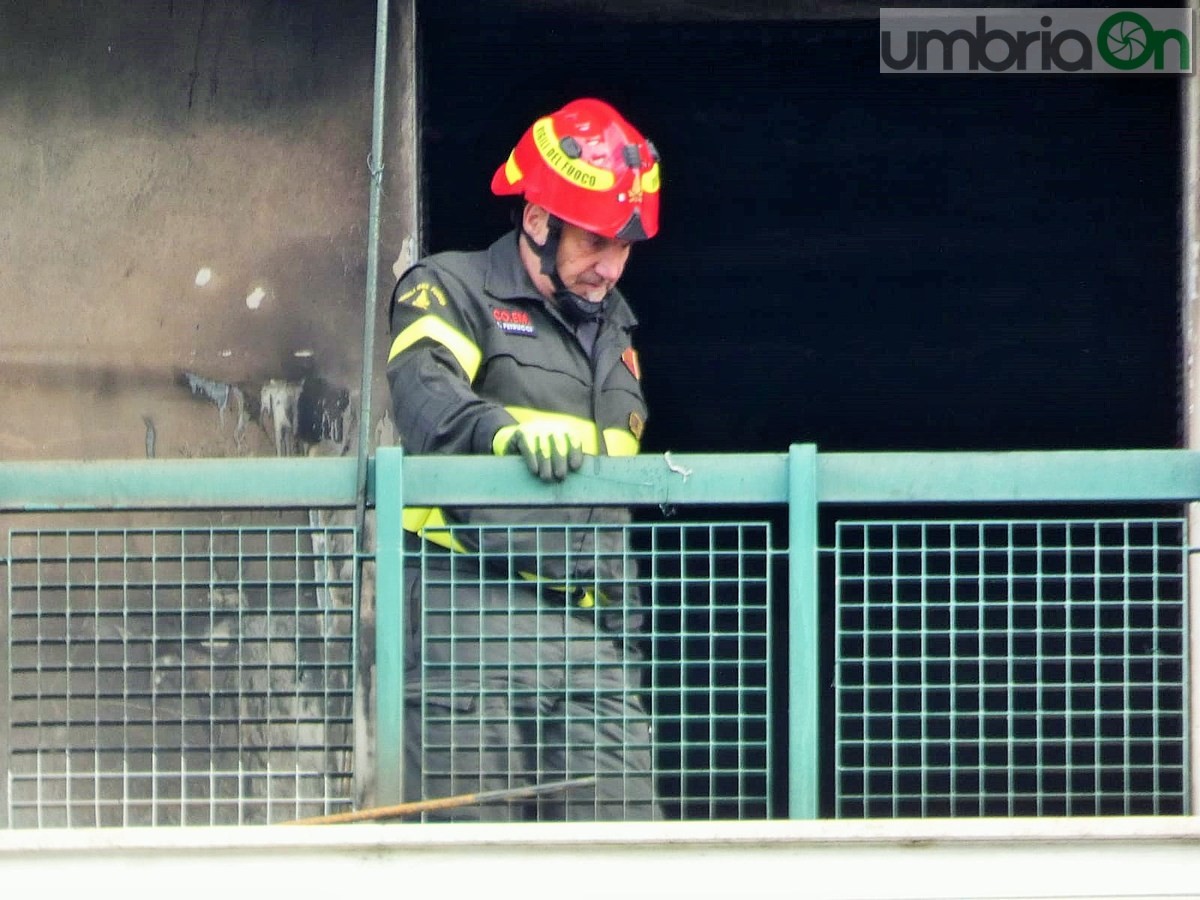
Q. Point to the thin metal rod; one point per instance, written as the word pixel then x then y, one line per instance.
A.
pixel 414 807
pixel 1189 314
pixel 371 301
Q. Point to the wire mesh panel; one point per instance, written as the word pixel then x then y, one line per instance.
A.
pixel 1005 668
pixel 638 657
pixel 179 676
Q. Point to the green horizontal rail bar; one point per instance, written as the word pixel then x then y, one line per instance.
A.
pixel 942 477
pixel 684 479
pixel 1023 476
pixel 69 485
pixel 626 480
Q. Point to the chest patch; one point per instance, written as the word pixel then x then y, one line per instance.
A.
pixel 514 321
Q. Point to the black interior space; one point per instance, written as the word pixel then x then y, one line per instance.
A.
pixel 860 260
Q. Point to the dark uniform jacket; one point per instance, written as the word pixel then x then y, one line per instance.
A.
pixel 475 348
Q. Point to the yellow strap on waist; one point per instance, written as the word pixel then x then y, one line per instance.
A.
pixel 582 598
pixel 430 523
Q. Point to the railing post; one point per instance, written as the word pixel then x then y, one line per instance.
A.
pixel 389 627
pixel 803 639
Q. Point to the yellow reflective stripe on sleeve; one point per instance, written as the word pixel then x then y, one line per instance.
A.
pixel 430 524
pixel 619 442
pixel 438 329
pixel 582 430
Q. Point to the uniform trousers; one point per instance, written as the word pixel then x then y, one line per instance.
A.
pixel 509 685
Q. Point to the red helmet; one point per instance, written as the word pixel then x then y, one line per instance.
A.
pixel 588 166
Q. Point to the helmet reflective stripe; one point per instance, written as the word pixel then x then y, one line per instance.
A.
pixel 511 170
pixel 559 158
pixel 650 180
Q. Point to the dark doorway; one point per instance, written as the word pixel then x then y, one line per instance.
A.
pixel 865 261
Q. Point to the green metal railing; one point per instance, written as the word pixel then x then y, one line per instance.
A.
pixel 972 662
pixel 1009 667
pixel 184 674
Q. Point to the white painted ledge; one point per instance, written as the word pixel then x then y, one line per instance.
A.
pixel 940 858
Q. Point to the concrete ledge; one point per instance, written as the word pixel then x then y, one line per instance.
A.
pixel 989 858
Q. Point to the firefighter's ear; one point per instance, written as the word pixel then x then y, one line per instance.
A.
pixel 536 222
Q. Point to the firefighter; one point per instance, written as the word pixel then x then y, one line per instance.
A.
pixel 523 623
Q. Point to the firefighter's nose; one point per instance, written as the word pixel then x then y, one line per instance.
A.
pixel 612 263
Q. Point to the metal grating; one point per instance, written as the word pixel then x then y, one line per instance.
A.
pixel 496 642
pixel 179 676
pixel 1008 668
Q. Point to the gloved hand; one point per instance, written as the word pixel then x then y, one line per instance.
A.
pixel 548 447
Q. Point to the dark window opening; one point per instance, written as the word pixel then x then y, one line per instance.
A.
pixel 866 261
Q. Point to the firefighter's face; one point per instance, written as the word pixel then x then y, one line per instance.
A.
pixel 589 264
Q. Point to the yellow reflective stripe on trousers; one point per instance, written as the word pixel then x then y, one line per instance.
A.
pixel 434 328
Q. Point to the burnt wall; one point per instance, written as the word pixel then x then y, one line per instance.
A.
pixel 184 188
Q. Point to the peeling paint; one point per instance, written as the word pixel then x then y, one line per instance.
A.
pixel 277 404
pixel 224 396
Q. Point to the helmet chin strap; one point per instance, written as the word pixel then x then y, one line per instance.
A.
pixel 575 309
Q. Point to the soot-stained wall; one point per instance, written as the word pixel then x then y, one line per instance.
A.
pixel 184 187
